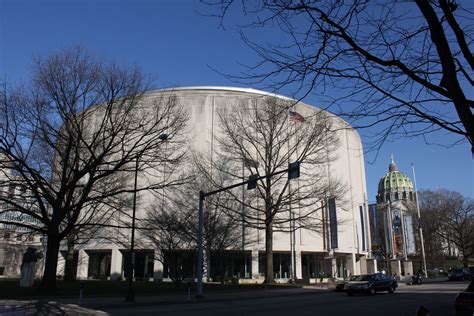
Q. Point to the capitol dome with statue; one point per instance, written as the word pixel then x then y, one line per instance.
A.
pixel 393 222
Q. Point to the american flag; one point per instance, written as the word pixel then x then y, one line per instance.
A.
pixel 295 117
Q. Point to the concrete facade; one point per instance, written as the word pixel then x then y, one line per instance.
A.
pixel 313 256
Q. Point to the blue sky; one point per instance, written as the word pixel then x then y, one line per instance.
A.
pixel 178 46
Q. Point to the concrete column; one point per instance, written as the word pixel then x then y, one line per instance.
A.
pixel 395 267
pixel 333 267
pixel 116 264
pixel 299 267
pixel 408 267
pixel 351 264
pixel 255 272
pixel 206 266
pixel 82 265
pixel 157 270
pixel 371 265
pixel 61 264
pixel 362 265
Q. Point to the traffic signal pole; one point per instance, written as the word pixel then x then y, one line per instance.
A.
pixel 293 173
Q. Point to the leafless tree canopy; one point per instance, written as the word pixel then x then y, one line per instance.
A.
pixel 171 224
pixel 69 140
pixel 448 217
pixel 405 66
pixel 258 138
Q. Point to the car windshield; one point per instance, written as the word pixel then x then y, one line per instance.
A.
pixel 457 271
pixel 367 277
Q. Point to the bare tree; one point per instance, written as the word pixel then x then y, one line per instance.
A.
pixel 405 66
pixel 449 218
pixel 258 138
pixel 171 226
pixel 71 140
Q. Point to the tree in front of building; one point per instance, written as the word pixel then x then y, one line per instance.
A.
pixel 171 226
pixel 72 138
pixel 261 137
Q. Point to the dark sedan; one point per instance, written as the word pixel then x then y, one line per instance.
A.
pixel 341 284
pixel 459 275
pixel 464 304
pixel 370 284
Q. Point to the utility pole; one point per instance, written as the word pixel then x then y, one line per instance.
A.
pixel 419 223
pixel 131 293
pixel 293 173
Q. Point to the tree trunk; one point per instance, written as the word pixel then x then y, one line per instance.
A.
pixel 51 263
pixel 69 264
pixel 222 268
pixel 269 253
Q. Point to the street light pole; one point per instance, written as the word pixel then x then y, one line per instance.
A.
pixel 293 173
pixel 199 242
pixel 419 223
pixel 131 293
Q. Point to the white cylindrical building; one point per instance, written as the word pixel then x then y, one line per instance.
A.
pixel 339 249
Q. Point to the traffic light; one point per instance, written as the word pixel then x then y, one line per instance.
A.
pixel 293 170
pixel 252 183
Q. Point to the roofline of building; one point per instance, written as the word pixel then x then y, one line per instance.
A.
pixel 226 88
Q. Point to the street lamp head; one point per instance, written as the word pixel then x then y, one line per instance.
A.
pixel 163 137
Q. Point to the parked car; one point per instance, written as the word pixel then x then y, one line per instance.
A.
pixel 459 275
pixel 370 284
pixel 464 304
pixel 341 284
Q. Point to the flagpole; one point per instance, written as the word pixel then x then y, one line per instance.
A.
pixel 419 222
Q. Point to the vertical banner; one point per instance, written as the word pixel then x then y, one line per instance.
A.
pixel 409 234
pixel 333 223
pixel 397 233
pixel 387 230
pixel 362 226
pixel 374 224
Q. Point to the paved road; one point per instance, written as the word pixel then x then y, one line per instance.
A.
pixel 438 298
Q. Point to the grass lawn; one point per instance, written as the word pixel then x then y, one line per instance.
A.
pixel 10 288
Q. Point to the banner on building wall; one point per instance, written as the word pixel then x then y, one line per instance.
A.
pixel 375 230
pixel 333 223
pixel 397 230
pixel 409 234
pixel 362 226
pixel 386 229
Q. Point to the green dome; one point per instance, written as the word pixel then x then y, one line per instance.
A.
pixel 394 186
pixel 394 180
